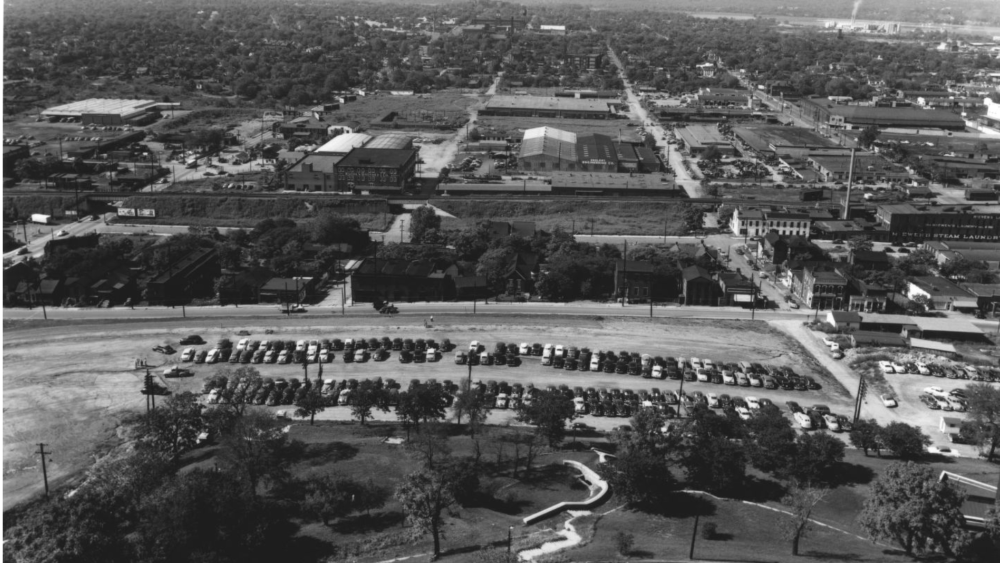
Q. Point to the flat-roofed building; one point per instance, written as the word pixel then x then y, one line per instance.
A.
pixel 391 141
pixel 822 110
pixel 315 172
pixel 905 222
pixel 699 138
pixel 781 140
pixel 759 222
pixel 820 288
pixel 619 184
pixel 940 293
pixel 596 153
pixel 547 106
pixel 107 111
pixel 867 167
pixel 376 170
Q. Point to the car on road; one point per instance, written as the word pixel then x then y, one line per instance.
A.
pixel 889 401
pixel 62 233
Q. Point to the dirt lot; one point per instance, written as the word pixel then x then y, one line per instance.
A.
pixel 67 385
pixel 597 217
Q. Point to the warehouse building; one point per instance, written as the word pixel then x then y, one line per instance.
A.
pixel 375 170
pixel 393 141
pixel 867 168
pixel 779 140
pixel 547 106
pixel 544 149
pixel 822 110
pixel 905 222
pixel 108 111
pixel 343 144
pixel 698 138
pixel 603 184
pixel 313 173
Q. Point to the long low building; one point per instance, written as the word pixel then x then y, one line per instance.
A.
pixel 823 110
pixel 108 111
pixel 780 140
pixel 699 138
pixel 590 183
pixel 547 106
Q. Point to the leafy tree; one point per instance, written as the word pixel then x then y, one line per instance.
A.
pixel 815 457
pixel 494 265
pixel 801 501
pixel 310 404
pixel 425 495
pixel 423 219
pixel 174 427
pixel 463 475
pixel 904 441
pixel 868 136
pixel 254 449
pixel 712 154
pixel 469 403
pixel 909 506
pixel 772 444
pixel 639 476
pixel 332 496
pixel 711 459
pixel 232 403
pixel 366 397
pixel 984 416
pixel 866 435
pixel 133 473
pixel 425 402
pixel 860 244
pixel 331 228
pixel 549 412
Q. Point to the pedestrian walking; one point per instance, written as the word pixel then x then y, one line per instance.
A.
pixel 432 318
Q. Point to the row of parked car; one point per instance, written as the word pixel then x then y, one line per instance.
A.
pixel 960 371
pixel 249 351
pixel 936 398
pixel 743 374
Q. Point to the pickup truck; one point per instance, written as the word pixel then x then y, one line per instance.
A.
pixel 177 371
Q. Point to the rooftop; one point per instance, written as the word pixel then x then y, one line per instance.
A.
pixel 390 141
pixel 607 180
pixel 381 158
pixel 113 106
pixel 703 135
pixel 316 163
pixel 937 286
pixel 550 142
pixel 342 144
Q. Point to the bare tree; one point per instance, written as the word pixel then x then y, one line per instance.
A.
pixel 431 443
pixel 800 501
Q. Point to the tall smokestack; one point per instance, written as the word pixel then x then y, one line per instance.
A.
pixel 854 12
pixel 850 184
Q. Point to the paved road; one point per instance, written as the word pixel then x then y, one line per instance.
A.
pixel 407 309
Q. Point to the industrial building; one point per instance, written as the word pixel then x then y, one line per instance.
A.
pixel 591 183
pixel 544 149
pixel 905 222
pixel 867 168
pixel 343 144
pixel 841 116
pixel 376 170
pixel 108 111
pixel 313 173
pixel 547 106
pixel 760 222
pixel 391 141
pixel 698 138
pixel 785 141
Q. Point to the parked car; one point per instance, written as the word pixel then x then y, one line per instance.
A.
pixel 187 355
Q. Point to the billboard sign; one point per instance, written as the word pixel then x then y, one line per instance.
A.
pixel 146 212
pixel 126 212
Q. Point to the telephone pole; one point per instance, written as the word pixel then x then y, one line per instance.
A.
pixel 45 474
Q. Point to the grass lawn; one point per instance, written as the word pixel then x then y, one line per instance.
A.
pixel 607 218
pixel 450 104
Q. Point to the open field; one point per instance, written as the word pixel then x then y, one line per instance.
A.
pixel 599 217
pixel 446 103
pixel 235 211
pixel 514 125
pixel 67 385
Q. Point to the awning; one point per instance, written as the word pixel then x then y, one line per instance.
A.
pixel 964 304
pixel 742 298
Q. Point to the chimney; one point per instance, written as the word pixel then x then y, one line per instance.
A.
pixel 850 184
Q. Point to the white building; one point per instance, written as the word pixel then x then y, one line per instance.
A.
pixel 757 223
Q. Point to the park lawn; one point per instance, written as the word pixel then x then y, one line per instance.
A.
pixel 745 533
pixel 599 217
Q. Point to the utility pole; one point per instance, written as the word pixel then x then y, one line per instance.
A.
pixel 45 472
pixel 624 271
pixel 862 391
pixel 753 297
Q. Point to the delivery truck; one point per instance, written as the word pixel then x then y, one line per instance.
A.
pixel 41 219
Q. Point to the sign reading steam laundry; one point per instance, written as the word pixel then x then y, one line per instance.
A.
pixel 146 212
pixel 126 212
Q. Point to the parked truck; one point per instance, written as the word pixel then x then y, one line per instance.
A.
pixel 41 219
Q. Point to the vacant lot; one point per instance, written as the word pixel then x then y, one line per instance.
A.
pixel 515 125
pixel 68 385
pixel 236 211
pixel 598 217
pixel 444 105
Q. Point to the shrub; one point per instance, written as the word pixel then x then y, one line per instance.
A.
pixel 624 542
pixel 709 530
